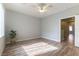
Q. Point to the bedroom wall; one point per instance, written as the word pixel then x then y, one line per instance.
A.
pixel 2 39
pixel 77 30
pixel 51 25
pixel 26 27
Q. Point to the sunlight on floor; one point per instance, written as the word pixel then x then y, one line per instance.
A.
pixel 38 48
pixel 70 37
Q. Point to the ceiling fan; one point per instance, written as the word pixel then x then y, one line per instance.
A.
pixel 43 7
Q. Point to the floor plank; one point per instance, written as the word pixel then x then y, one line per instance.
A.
pixel 41 47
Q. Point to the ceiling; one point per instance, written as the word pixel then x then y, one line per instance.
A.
pixel 31 8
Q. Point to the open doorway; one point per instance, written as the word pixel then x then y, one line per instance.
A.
pixel 68 30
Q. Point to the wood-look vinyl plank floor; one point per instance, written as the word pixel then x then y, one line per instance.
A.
pixel 64 49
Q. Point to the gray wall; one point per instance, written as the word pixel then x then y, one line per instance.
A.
pixel 27 27
pixel 51 24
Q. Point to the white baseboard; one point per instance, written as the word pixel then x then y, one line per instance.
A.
pixel 50 39
pixel 23 39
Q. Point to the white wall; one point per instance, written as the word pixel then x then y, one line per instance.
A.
pixel 2 41
pixel 27 27
pixel 51 24
pixel 77 30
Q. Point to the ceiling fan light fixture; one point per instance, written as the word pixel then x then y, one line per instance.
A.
pixel 42 7
pixel 41 11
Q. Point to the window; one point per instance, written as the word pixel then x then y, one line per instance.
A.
pixel 70 28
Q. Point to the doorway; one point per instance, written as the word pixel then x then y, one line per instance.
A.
pixel 68 30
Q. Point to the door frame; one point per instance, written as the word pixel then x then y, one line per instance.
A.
pixel 73 18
